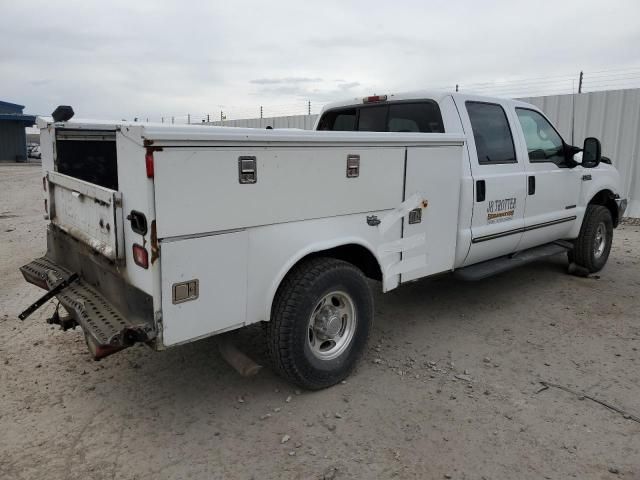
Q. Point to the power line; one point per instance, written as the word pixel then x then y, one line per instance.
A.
pixel 516 87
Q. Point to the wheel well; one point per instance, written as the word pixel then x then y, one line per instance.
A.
pixel 606 199
pixel 355 254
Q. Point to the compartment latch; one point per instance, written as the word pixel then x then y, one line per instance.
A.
pixel 247 170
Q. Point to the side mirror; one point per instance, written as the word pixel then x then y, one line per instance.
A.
pixel 591 153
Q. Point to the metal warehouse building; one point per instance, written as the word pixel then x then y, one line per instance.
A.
pixel 13 138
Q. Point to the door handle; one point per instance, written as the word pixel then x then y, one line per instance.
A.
pixel 481 190
pixel 532 185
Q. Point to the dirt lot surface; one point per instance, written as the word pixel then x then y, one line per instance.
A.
pixel 449 387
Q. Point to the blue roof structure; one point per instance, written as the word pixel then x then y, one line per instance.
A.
pixel 8 107
pixel 12 112
pixel 13 139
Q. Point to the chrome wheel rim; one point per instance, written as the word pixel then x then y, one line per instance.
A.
pixel 600 241
pixel 332 325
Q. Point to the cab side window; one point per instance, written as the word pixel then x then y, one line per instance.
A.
pixel 491 132
pixel 543 142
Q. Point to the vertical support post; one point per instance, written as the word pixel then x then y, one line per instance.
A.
pixel 309 107
pixel 162 119
pixel 580 82
pixel 456 87
pixel 188 118
pixel 207 118
pixel 260 111
pixel 173 119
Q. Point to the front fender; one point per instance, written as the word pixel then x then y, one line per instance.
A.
pixel 604 177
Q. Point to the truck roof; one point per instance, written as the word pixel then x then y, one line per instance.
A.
pixel 436 95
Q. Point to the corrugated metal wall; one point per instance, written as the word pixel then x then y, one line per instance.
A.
pixel 611 116
pixel 304 122
pixel 13 142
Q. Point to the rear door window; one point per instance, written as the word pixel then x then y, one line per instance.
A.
pixel 491 132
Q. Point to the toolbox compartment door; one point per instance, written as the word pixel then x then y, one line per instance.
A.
pixel 88 212
pixel 434 174
pixel 204 285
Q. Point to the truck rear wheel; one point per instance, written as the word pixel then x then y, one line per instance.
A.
pixel 320 322
pixel 593 245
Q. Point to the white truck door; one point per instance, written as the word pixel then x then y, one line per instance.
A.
pixel 552 188
pixel 498 173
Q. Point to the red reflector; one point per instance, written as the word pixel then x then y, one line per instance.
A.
pixel 140 256
pixel 148 160
pixel 374 99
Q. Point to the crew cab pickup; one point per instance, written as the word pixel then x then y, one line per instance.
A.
pixel 167 234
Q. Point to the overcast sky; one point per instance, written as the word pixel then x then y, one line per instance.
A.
pixel 121 59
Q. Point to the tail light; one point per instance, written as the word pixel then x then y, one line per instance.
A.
pixel 140 256
pixel 148 160
pixel 375 99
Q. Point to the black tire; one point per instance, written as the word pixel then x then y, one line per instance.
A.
pixel 586 254
pixel 293 348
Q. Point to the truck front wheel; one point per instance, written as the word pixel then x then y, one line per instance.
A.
pixel 592 247
pixel 320 322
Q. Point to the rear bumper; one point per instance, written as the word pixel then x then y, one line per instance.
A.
pixel 106 328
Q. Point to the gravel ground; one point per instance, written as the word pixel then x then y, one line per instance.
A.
pixel 449 387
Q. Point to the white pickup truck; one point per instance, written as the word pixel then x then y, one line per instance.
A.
pixel 167 234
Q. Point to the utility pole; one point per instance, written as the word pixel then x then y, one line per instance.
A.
pixel 207 118
pixel 580 82
pixel 260 111
pixel 309 107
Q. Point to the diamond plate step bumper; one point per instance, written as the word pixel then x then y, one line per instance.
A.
pixel 105 328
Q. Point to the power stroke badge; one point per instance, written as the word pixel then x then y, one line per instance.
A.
pixel 500 210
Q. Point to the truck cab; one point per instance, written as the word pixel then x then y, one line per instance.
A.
pixel 522 185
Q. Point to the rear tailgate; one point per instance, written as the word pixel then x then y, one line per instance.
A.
pixel 87 212
pixel 90 177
